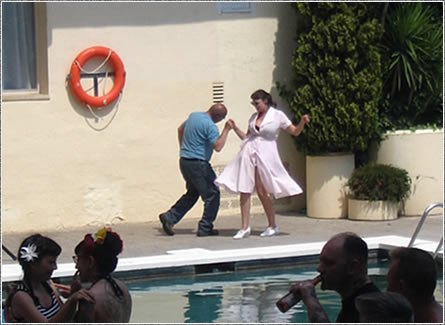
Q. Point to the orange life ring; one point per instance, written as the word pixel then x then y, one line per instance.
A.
pixel 119 76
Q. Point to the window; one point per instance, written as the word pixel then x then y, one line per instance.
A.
pixel 235 7
pixel 24 51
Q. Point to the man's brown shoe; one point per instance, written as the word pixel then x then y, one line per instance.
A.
pixel 166 226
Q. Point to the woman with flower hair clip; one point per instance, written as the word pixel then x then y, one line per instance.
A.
pixel 96 258
pixel 34 299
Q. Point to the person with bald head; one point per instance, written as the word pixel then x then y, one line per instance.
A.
pixel 343 268
pixel 198 136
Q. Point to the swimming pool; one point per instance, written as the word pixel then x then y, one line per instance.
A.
pixel 236 297
pixel 244 296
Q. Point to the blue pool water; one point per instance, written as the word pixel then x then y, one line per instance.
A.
pixel 235 297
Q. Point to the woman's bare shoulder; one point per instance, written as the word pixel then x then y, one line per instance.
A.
pixel 21 296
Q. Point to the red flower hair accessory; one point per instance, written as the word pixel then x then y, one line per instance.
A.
pixel 88 242
pixel 98 238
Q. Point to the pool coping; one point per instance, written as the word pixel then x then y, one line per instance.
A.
pixel 200 256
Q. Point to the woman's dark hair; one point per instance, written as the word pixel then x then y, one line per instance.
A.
pixel 44 246
pixel 263 95
pixel 36 247
pixel 104 253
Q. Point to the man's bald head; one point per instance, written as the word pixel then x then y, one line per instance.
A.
pixel 217 112
pixel 353 247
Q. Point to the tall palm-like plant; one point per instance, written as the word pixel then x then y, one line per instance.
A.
pixel 413 46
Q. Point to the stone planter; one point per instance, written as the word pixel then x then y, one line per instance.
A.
pixel 325 185
pixel 420 153
pixel 372 210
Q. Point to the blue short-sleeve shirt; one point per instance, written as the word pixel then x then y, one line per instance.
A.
pixel 200 133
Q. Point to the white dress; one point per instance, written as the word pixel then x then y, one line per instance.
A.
pixel 259 149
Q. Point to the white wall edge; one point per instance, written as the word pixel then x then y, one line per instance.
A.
pixel 200 256
pixel 423 131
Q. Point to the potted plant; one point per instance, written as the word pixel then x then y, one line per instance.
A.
pixel 412 104
pixel 375 192
pixel 338 82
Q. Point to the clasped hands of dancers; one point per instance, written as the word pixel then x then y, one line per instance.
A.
pixel 256 167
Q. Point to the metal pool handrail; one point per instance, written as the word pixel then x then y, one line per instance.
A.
pixel 420 224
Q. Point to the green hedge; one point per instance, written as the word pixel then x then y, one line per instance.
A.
pixel 338 78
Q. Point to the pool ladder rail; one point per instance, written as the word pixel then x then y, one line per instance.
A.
pixel 420 224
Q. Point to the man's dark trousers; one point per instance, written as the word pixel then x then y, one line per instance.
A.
pixel 199 178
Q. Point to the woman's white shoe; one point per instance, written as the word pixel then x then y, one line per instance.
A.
pixel 269 232
pixel 242 233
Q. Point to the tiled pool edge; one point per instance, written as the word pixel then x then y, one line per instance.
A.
pixel 184 261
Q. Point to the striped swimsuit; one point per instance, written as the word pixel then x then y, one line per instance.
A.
pixel 47 312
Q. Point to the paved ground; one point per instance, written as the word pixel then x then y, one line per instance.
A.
pixel 148 239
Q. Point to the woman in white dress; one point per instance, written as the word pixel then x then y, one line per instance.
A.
pixel 258 166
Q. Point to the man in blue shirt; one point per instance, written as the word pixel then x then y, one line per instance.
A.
pixel 198 136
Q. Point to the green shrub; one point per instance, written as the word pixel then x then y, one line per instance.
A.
pixel 375 182
pixel 412 63
pixel 337 78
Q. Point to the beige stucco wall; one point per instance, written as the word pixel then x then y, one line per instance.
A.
pixel 63 168
pixel 420 153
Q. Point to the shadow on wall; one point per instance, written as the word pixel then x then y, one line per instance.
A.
pixel 100 14
pixel 98 118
